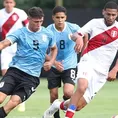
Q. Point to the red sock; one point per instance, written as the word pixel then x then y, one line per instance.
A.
pixel 62 106
pixel 69 113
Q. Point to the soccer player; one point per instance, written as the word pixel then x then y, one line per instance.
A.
pixel 10 20
pixel 93 69
pixel 22 77
pixel 64 69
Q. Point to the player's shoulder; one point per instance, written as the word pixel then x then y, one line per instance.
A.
pixel 116 24
pixel 22 30
pixel 2 11
pixel 47 31
pixel 50 26
pixel 72 25
pixel 96 20
pixel 19 10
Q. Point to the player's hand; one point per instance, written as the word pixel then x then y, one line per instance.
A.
pixel 47 65
pixel 59 66
pixel 79 44
pixel 112 75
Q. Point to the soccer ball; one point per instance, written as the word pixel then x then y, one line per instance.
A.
pixel 116 116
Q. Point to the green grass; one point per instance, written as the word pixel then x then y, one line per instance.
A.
pixel 104 105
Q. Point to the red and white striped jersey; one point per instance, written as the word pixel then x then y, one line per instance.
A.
pixel 9 22
pixel 102 45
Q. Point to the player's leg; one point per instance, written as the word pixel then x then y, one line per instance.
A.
pixel 53 97
pixel 82 84
pixel 12 103
pixel 7 84
pixel 82 96
pixel 96 81
pixel 54 82
pixel 83 73
pixel 68 78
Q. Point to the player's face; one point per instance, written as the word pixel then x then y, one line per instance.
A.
pixel 35 23
pixel 9 5
pixel 59 20
pixel 110 16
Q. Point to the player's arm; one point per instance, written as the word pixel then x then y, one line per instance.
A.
pixel 80 40
pixel 57 64
pixel 85 40
pixel 50 59
pixel 5 43
pixel 113 72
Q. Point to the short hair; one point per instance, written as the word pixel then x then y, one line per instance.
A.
pixel 59 9
pixel 35 12
pixel 111 5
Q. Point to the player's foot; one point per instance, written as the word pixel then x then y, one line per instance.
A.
pixel 52 109
pixel 21 107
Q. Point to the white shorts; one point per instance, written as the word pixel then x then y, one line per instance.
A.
pixel 6 56
pixel 96 80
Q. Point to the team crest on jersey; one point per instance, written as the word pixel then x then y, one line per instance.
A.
pixel 44 37
pixel 1 84
pixel 14 17
pixel 114 33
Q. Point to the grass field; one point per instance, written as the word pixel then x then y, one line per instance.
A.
pixel 104 105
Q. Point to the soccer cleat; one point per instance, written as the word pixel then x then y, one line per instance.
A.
pixel 52 109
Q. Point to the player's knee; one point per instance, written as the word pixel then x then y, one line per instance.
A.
pixel 14 101
pixel 68 94
pixel 1 100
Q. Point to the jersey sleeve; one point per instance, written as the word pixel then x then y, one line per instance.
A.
pixel 52 41
pixel 87 27
pixel 24 17
pixel 13 37
pixel 76 27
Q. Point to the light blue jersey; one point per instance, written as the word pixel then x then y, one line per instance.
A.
pixel 66 52
pixel 31 49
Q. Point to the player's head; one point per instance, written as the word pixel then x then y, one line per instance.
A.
pixel 110 12
pixel 35 17
pixel 9 5
pixel 59 16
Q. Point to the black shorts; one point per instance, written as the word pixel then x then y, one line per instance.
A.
pixel 55 77
pixel 17 82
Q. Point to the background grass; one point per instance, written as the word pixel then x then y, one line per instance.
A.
pixel 104 105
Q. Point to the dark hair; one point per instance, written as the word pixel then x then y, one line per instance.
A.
pixel 35 12
pixel 111 5
pixel 59 9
